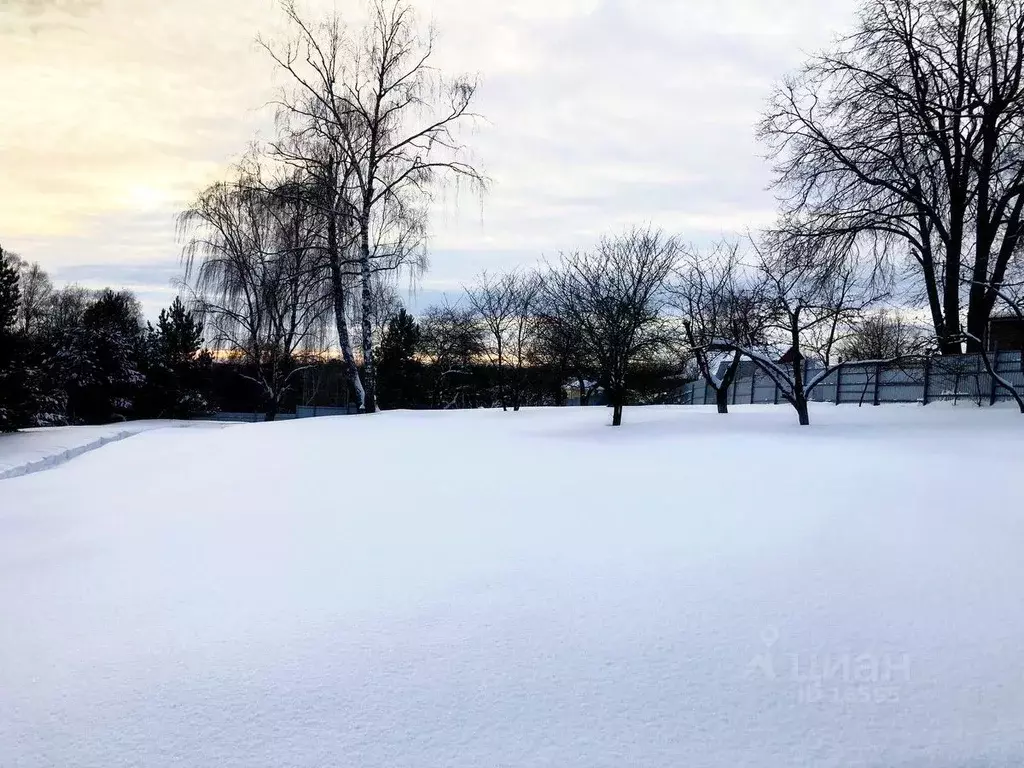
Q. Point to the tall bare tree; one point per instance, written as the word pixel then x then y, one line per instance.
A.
pixel 395 120
pixel 615 295
pixel 910 135
pixel 311 119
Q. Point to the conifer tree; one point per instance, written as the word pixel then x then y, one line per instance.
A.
pixel 398 369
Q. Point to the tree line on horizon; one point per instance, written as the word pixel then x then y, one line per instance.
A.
pixel 899 172
pixel 77 356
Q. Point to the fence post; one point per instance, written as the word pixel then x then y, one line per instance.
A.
pixel 927 379
pixel 978 368
pixel 753 383
pixel 839 385
pixel 878 384
pixel 995 387
pixel 735 388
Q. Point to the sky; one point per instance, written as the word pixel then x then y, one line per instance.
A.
pixel 599 114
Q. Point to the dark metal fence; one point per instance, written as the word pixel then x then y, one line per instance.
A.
pixel 301 412
pixel 962 378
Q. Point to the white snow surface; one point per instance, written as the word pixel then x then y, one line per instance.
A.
pixel 37 450
pixel 481 588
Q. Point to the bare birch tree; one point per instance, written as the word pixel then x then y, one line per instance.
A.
pixel 311 123
pixel 395 120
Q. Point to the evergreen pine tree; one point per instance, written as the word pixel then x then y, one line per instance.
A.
pixel 10 293
pixel 106 354
pixel 178 369
pixel 181 334
pixel 398 371
pixel 14 390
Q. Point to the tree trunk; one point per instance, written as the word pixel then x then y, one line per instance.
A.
pixel 270 412
pixel 722 399
pixel 801 410
pixel 927 260
pixel 978 314
pixel 339 293
pixel 949 342
pixel 722 392
pixel 998 381
pixel 799 393
pixel 369 370
pixel 617 392
pixel 559 388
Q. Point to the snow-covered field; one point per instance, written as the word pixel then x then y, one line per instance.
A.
pixel 482 589
pixel 37 450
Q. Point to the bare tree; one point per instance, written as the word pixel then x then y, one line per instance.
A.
pixel 883 334
pixel 559 346
pixel 1009 295
pixel 908 134
pixel 311 119
pixel 386 304
pixel 526 299
pixel 36 290
pixel 395 120
pixel 507 308
pixel 615 296
pixel 453 340
pixel 812 294
pixel 716 302
pixel 321 177
pixel 256 278
pixel 64 310
pixel 494 301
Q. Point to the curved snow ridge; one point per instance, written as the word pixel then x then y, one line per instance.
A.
pixel 54 456
pixel 55 460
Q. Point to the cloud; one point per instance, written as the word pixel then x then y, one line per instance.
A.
pixel 600 114
pixel 133 94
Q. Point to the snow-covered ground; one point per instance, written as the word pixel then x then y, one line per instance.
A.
pixel 536 589
pixel 36 450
